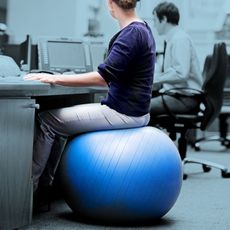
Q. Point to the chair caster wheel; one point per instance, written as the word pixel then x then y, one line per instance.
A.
pixel 196 147
pixel 206 168
pixel 185 176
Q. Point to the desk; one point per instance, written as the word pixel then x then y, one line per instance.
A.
pixel 17 116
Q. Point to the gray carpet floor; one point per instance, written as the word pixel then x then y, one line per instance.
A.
pixel 203 204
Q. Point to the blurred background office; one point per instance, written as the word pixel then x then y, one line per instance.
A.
pixel 205 20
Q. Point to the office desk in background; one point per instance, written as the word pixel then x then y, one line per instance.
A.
pixel 17 116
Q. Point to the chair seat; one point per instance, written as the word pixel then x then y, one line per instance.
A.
pixel 188 120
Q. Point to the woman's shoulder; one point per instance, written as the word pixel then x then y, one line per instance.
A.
pixel 137 25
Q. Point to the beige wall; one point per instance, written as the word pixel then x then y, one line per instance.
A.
pixel 39 18
pixel 52 18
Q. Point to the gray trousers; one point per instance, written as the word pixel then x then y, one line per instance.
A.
pixel 189 105
pixel 175 105
pixel 56 125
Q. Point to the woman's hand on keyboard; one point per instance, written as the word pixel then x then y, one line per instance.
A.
pixel 43 77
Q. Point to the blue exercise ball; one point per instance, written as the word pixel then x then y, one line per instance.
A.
pixel 126 175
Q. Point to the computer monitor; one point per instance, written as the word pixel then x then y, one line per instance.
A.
pixel 98 52
pixel 63 54
pixel 25 54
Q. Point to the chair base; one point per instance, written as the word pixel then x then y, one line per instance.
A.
pixel 223 141
pixel 207 165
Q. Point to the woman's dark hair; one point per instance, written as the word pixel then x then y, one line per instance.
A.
pixel 168 10
pixel 126 4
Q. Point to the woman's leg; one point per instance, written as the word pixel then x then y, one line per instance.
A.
pixel 71 121
pixel 47 177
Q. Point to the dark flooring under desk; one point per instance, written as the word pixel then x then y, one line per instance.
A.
pixel 204 201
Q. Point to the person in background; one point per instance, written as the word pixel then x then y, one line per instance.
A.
pixel 127 71
pixel 180 68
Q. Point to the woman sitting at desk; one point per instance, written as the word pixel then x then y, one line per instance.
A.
pixel 127 70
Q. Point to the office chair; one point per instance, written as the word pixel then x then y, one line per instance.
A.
pixel 223 126
pixel 211 99
pixel 224 114
pixel 222 117
pixel 223 130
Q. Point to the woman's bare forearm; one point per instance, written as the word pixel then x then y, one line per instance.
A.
pixel 81 80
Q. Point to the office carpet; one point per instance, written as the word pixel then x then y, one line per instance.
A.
pixel 204 202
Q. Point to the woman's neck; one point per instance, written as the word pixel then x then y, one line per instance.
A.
pixel 125 22
pixel 124 19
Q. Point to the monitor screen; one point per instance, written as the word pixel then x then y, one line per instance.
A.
pixel 66 55
pixel 98 54
pixel 63 55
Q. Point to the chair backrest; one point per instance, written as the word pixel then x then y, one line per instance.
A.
pixel 215 74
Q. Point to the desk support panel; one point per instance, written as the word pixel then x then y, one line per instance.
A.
pixel 16 143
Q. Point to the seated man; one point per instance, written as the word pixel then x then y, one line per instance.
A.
pixel 180 64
